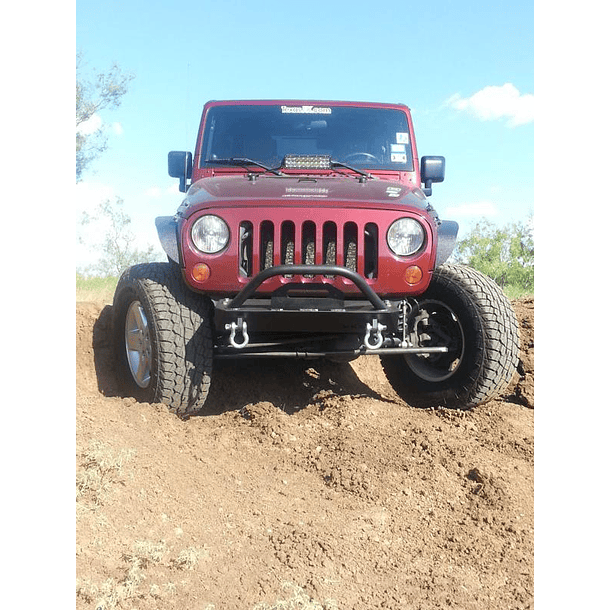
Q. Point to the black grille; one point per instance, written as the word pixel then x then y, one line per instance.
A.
pixel 263 245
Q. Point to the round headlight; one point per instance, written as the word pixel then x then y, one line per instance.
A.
pixel 210 234
pixel 405 236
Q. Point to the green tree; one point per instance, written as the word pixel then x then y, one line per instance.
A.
pixel 117 245
pixel 505 254
pixel 102 90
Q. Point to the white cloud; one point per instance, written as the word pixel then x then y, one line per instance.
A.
pixel 90 194
pixel 90 126
pixel 154 192
pixel 494 102
pixel 95 123
pixel 478 209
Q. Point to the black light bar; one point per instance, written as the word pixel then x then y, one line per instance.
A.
pixel 306 162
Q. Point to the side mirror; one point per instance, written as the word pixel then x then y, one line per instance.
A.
pixel 432 170
pixel 180 165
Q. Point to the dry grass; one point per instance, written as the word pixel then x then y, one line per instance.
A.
pixel 145 554
pixel 299 600
pixel 111 593
pixel 99 469
pixel 121 592
pixel 188 558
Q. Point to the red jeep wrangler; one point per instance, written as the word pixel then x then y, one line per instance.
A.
pixel 306 231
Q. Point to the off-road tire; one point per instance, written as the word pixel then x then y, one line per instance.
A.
pixel 179 334
pixel 487 353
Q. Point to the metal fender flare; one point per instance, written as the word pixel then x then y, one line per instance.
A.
pixel 167 229
pixel 447 236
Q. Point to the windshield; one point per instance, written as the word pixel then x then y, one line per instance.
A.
pixel 375 138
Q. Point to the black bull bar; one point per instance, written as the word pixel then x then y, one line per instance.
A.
pixel 311 312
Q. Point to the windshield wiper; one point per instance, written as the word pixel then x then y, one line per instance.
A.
pixel 354 169
pixel 243 162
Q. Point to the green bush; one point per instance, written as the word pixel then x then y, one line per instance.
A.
pixel 505 254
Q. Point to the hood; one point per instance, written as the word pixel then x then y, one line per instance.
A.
pixel 298 190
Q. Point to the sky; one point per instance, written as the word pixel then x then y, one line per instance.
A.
pixel 466 70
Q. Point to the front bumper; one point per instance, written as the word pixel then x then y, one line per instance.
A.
pixel 311 320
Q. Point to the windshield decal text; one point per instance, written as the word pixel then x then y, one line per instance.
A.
pixel 305 110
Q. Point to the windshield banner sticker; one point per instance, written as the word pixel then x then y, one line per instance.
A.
pixel 305 110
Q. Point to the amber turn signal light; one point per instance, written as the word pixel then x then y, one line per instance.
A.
pixel 201 272
pixel 413 274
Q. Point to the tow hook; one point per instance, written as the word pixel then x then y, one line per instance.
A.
pixel 373 338
pixel 238 328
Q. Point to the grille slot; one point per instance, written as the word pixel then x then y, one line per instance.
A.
pixel 371 249
pixel 308 244
pixel 246 236
pixel 288 242
pixel 266 241
pixel 265 245
pixel 350 246
pixel 329 244
pixel 288 237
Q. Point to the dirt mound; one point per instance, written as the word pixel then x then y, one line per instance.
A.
pixel 310 484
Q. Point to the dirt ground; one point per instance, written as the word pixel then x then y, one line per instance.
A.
pixel 304 485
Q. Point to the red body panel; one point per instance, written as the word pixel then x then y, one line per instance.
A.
pixel 389 280
pixel 234 187
pixel 319 198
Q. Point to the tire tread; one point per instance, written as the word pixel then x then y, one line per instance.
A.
pixel 184 337
pixel 498 344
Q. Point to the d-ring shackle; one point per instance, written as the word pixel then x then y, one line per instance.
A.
pixel 373 338
pixel 240 327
